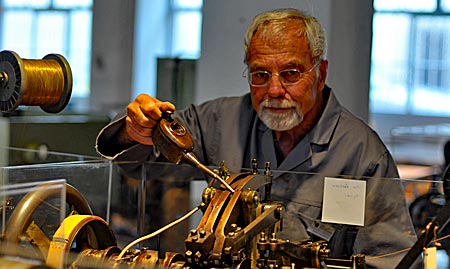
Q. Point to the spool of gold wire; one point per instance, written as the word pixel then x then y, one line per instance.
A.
pixel 46 83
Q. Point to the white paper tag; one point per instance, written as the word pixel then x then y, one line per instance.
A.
pixel 344 201
pixel 430 258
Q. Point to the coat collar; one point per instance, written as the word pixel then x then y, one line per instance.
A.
pixel 323 132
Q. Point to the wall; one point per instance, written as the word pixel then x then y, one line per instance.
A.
pixel 112 53
pixel 349 53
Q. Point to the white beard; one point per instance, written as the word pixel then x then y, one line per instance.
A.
pixel 280 121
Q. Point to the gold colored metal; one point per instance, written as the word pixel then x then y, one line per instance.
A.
pixel 46 83
pixel 39 238
pixel 93 230
pixel 173 140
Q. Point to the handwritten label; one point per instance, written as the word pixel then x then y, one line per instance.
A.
pixel 344 201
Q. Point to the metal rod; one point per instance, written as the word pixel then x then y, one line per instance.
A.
pixel 142 191
pixel 193 160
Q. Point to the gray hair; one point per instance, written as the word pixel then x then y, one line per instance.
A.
pixel 278 19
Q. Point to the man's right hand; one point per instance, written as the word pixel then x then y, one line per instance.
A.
pixel 142 116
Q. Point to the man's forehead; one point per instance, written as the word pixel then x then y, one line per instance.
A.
pixel 288 45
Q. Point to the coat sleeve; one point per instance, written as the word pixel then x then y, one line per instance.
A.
pixel 218 127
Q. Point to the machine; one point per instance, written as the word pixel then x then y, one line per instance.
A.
pixel 238 228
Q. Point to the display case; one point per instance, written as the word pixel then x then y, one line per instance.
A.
pixel 86 212
pixel 17 202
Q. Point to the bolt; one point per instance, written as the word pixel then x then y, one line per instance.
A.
pixel 202 233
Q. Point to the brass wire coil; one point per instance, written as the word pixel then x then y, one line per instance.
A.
pixel 46 83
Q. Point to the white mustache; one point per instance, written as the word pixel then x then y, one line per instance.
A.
pixel 278 103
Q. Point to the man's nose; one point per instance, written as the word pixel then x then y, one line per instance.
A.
pixel 276 88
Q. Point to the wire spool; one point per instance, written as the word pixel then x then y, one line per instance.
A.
pixel 46 83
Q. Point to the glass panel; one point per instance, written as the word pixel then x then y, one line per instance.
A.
pixel 389 70
pixel 197 4
pixel 171 192
pixel 82 172
pixel 27 3
pixel 21 210
pixel 17 22
pixel 79 58
pixel 431 94
pixel 405 5
pixel 72 3
pixel 186 35
pixel 416 183
pixel 51 33
pixel 36 214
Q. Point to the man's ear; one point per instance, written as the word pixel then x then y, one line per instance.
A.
pixel 323 69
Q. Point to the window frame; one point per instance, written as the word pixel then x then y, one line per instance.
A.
pixel 411 82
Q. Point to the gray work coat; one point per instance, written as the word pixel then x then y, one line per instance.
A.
pixel 340 145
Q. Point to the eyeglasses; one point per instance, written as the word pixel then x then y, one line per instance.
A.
pixel 287 76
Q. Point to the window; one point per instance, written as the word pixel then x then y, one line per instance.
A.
pixel 186 30
pixel 174 29
pixel 35 28
pixel 410 72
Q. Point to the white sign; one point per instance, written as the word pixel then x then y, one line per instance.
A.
pixel 344 201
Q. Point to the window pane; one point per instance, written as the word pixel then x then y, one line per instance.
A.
pixel 51 29
pixel 197 4
pixel 27 3
pixel 389 70
pixel 431 67
pixel 445 5
pixel 81 25
pixel 80 52
pixel 72 3
pixel 405 5
pixel 17 22
pixel 186 34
